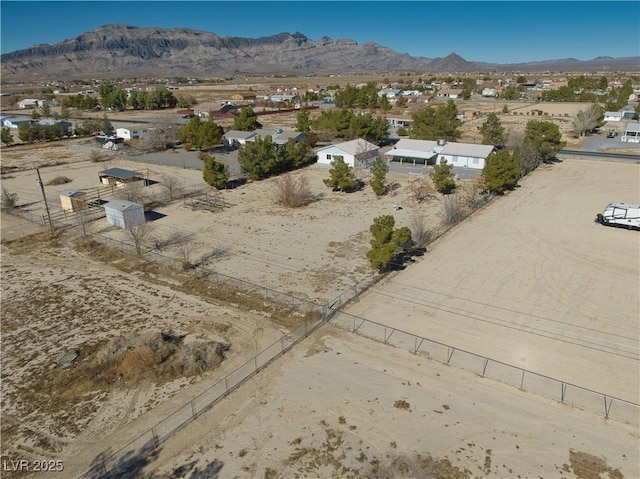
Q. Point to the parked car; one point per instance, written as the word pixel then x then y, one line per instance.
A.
pixel 611 134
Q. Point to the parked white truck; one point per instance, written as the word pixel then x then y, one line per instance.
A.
pixel 622 215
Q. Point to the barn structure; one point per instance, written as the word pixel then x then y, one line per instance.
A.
pixel 120 177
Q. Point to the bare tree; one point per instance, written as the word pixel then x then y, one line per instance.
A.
pixel 138 234
pixel 293 192
pixel 186 249
pixel 163 134
pixel 587 120
pixel 452 210
pixel 172 183
pixel 420 233
pixel 473 194
pixel 97 156
pixel 9 200
pixel 422 189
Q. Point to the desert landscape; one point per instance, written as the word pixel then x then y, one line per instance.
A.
pixel 100 344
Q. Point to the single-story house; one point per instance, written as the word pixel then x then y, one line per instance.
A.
pixel 28 103
pixel 390 92
pixel 15 123
pixel 631 133
pixel 468 155
pixel 120 177
pixel 400 122
pixel 132 132
pixel 279 98
pixel 124 214
pixel 237 138
pixel 356 152
pixel 449 93
pixel 489 92
pixel 278 135
pixel 212 109
pixel 612 116
pixel 73 200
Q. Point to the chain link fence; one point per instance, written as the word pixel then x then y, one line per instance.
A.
pixel 566 393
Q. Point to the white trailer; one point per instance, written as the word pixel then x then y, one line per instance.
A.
pixel 621 215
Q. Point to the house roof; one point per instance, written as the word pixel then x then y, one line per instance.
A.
pixel 418 145
pixel 119 173
pixel 240 135
pixel 423 155
pixel 353 147
pixel 467 149
pixel 279 136
pixel 72 193
pixel 632 127
pixel 121 205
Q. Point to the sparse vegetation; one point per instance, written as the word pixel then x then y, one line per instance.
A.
pixel 293 192
pixel 58 180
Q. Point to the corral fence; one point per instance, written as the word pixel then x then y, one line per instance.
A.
pixel 118 464
pixel 566 393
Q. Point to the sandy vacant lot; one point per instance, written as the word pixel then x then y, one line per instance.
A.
pixel 533 282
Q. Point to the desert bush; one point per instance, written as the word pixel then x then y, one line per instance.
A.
pixel 474 194
pixel 59 180
pixel 422 189
pixel 159 356
pixel 97 156
pixel 452 210
pixel 293 192
pixel 420 233
pixel 9 200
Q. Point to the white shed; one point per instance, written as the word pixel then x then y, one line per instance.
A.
pixel 124 214
pixel 133 132
pixel 356 152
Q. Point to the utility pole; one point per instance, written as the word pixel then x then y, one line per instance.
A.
pixel 44 197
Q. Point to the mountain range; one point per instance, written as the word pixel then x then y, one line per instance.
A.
pixel 126 51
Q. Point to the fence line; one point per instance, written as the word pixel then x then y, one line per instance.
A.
pixel 116 464
pixel 573 395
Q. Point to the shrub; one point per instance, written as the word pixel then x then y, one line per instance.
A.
pixel 293 192
pixel 452 210
pixel 59 180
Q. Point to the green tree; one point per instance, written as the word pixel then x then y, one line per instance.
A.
pixel 387 242
pixel 546 137
pixel 190 133
pixel 303 121
pixel 258 159
pixel 6 136
pixel 246 120
pixel 29 133
pixel 45 111
pixel 215 173
pixel 501 171
pixel 384 103
pixel 443 177
pixel 341 176
pixel 209 134
pixel 527 157
pixel 64 112
pixel 35 114
pixel 493 133
pixel 379 170
pixel 436 123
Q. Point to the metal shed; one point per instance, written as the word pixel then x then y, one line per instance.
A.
pixel 124 214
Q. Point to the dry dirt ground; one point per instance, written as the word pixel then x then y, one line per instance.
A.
pixel 339 405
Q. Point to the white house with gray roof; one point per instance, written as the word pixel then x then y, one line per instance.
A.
pixel 468 155
pixel 358 152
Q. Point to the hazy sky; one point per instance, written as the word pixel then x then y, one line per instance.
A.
pixel 496 32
